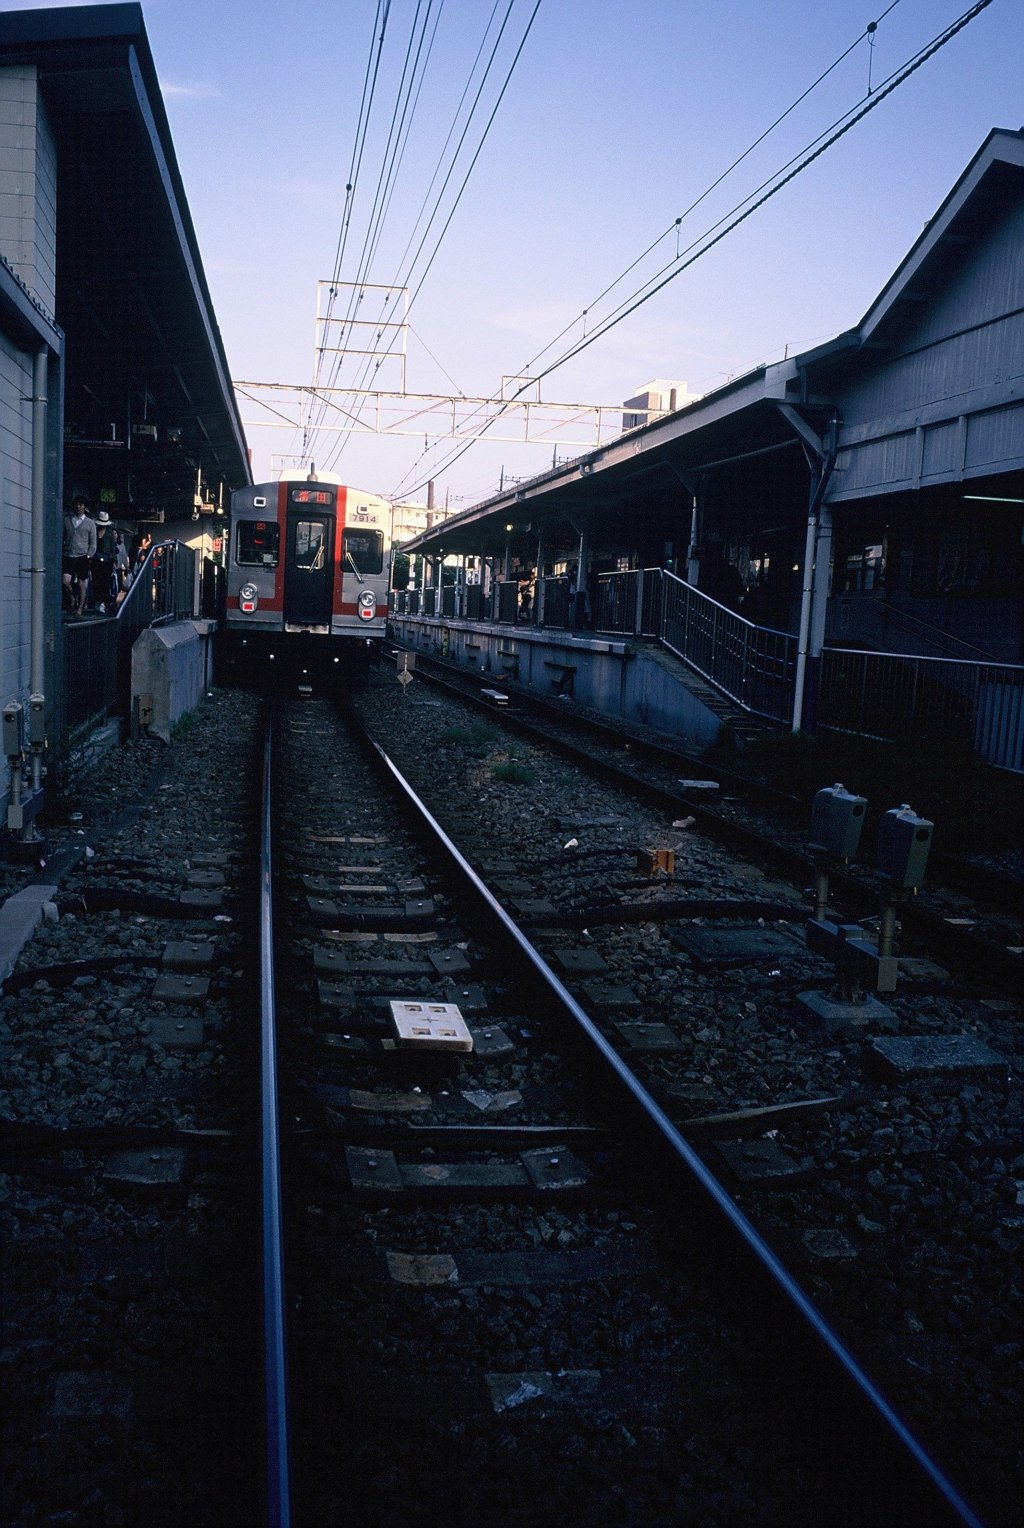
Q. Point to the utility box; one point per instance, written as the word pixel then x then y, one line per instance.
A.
pixel 12 729
pixel 170 672
pixel 36 719
pixel 836 821
pixel 904 840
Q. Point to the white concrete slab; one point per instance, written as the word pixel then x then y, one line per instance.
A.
pixel 20 916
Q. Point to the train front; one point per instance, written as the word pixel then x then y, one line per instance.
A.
pixel 307 577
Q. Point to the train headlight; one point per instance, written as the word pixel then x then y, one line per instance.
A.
pixel 367 605
pixel 247 597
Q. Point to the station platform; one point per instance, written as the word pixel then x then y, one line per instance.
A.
pixel 633 681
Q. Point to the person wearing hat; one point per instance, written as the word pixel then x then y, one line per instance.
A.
pixel 79 550
pixel 103 593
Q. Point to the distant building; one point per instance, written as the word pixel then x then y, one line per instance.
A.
pixel 654 400
pixel 409 519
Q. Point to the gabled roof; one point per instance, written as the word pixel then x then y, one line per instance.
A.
pixel 982 186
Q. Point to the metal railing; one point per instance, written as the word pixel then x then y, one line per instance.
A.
pixel 753 665
pixel 629 603
pixel 98 652
pixel 878 615
pixel 508 602
pixel 553 609
pixel 903 698
pixel 886 695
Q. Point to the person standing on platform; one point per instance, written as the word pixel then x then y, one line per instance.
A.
pixel 122 564
pixel 103 595
pixel 79 551
pixel 142 552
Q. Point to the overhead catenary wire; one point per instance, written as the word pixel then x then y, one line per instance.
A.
pixel 359 144
pixel 401 120
pixel 526 369
pixel 398 280
pixel 711 238
pixel 355 294
pixel 674 226
pixel 465 181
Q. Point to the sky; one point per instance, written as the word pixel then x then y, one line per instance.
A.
pixel 598 125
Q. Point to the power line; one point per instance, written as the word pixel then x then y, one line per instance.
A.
pixel 527 367
pixel 469 171
pixel 867 33
pixel 337 364
pixel 880 94
pixel 412 264
pixel 359 143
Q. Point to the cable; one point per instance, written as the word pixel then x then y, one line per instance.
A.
pixel 876 99
pixel 359 144
pixel 394 150
pixel 340 445
pixel 440 238
pixel 883 91
pixel 869 31
pixel 527 367
pixel 465 92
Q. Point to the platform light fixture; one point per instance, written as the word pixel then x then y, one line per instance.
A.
pixel 992 498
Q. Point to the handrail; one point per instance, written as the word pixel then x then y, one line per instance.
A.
pixel 964 663
pixel 903 697
pixel 753 665
pixel 98 652
pixel 918 625
pixel 878 694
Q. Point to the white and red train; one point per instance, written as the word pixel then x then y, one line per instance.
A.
pixel 308 570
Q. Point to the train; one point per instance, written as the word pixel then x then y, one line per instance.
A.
pixel 308 565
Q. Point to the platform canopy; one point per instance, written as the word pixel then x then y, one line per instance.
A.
pixel 149 410
pixel 747 443
pixel 917 408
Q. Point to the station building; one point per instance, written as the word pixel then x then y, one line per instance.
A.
pixel 833 540
pixel 113 379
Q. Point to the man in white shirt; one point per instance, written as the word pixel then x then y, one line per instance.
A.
pixel 79 550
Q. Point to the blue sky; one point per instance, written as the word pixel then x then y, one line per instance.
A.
pixel 616 118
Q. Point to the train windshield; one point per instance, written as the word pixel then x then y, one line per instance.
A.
pixel 310 544
pixel 363 551
pixel 257 544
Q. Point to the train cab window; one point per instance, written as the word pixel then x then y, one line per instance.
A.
pixel 310 544
pixel 363 551
pixel 257 543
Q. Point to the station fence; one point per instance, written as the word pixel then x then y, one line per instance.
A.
pixel 894 696
pixel 173 584
pixel 978 706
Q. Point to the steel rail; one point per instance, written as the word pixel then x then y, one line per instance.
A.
pixel 910 1488
pixel 278 1496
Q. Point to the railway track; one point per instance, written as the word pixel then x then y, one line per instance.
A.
pixel 496 1310
pixel 972 910
pixel 469 1338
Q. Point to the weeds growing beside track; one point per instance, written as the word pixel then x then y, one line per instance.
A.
pixel 512 772
pixel 476 740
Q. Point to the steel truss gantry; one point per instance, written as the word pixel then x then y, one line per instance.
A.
pixel 517 414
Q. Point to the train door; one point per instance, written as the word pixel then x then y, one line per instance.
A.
pixel 309 567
